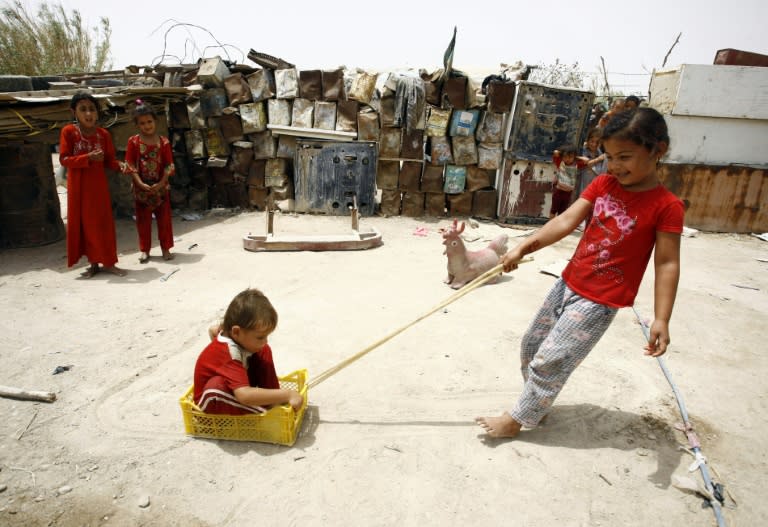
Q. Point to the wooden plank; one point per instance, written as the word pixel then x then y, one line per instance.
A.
pixel 322 242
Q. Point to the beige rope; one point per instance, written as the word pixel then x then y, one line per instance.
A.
pixel 474 284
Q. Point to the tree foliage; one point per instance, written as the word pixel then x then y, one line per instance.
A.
pixel 559 74
pixel 51 42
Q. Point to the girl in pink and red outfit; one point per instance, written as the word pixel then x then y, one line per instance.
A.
pixel 151 160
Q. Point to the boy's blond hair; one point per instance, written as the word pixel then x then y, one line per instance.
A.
pixel 250 309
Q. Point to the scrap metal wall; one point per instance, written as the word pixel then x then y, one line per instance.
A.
pixel 720 199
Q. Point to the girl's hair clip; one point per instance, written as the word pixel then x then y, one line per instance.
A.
pixel 139 102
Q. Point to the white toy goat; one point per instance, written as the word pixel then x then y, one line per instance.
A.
pixel 463 265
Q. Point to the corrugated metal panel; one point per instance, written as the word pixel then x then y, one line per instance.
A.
pixel 720 199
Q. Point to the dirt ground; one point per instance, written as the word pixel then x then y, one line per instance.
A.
pixel 390 440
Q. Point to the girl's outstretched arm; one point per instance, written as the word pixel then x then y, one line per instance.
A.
pixel 554 230
pixel 667 268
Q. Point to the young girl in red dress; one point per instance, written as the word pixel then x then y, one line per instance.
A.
pixel 151 162
pixel 85 149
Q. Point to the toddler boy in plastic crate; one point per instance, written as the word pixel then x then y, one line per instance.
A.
pixel 235 374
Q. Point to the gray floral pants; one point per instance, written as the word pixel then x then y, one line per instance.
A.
pixel 562 334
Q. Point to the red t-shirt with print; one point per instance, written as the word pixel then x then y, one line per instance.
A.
pixel 614 251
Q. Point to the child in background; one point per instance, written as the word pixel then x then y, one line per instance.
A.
pixel 235 374
pixel 151 160
pixel 616 108
pixel 85 149
pixel 567 167
pixel 632 102
pixel 591 150
pixel 634 216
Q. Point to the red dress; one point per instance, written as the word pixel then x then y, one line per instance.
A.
pixel 90 224
pixel 152 162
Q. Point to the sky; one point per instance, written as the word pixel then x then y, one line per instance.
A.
pixel 632 38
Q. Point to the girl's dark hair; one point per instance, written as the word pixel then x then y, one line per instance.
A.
pixel 143 108
pixel 643 126
pixel 83 96
pixel 250 309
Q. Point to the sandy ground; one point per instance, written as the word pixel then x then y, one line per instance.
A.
pixel 390 440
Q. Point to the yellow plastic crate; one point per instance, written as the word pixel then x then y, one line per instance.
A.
pixel 280 424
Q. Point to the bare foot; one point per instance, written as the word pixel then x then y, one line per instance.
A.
pixel 114 270
pixel 92 270
pixel 144 257
pixel 501 426
pixel 167 255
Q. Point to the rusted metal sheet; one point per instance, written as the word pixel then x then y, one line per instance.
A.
pixel 440 148
pixel 213 102
pixel 434 204
pixel 437 121
pixel 410 176
pixel 238 90
pixel 500 96
pixel 331 175
pixel 464 122
pixel 390 202
pixel 464 150
pixel 325 115
pixel 454 93
pixel 346 116
pixel 254 117
pixel 279 112
pixel 413 204
pixel 735 57
pixel 490 129
pixel 525 190
pixel 262 84
pixel 460 204
pixel 484 203
pixel 390 143
pixel 412 144
pixel 311 84
pixel 545 118
pixel 455 179
pixel 388 175
pixel 276 172
pixel 333 85
pixel 195 144
pixel 212 72
pixel 432 178
pixel 264 145
pixel 489 155
pixel 368 126
pixel 287 83
pixel 363 87
pixel 478 178
pixel 718 198
pixel 303 113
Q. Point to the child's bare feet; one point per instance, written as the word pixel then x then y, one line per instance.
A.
pixel 167 255
pixel 92 270
pixel 501 426
pixel 115 270
pixel 144 257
